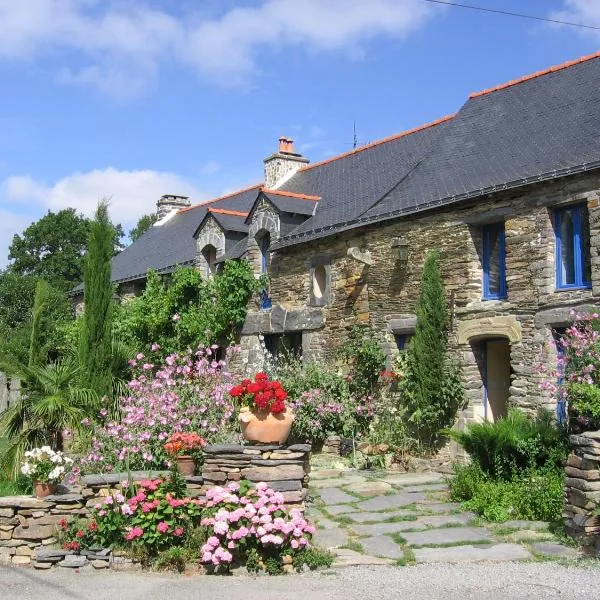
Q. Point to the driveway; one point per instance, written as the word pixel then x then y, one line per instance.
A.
pixel 482 581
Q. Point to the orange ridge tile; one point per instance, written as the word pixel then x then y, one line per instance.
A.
pixel 291 194
pixel 247 189
pixel 224 211
pixel 390 138
pixel 547 71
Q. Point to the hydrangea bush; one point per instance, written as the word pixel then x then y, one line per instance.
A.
pixel 185 393
pixel 250 525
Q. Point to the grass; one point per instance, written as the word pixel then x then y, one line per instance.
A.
pixel 353 545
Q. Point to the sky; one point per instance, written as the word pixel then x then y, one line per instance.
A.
pixel 133 99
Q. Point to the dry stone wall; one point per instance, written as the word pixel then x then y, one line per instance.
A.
pixel 582 491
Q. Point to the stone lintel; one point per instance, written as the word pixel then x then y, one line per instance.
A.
pixel 561 316
pixel 404 325
pixel 486 327
pixel 280 320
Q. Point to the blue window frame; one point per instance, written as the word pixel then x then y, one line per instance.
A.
pixel 573 264
pixel 402 340
pixel 265 242
pixel 494 262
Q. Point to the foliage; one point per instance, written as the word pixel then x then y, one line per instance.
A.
pixel 185 393
pixel 366 359
pixel 53 247
pixel 152 517
pixel 17 294
pixel 144 223
pixel 534 495
pixel 53 401
pixel 186 310
pixel 511 445
pixel 96 330
pixel 244 522
pixel 261 394
pixel 431 389
pixel 21 486
pixel 576 379
pixel 45 465
pixel 313 558
pixel 317 415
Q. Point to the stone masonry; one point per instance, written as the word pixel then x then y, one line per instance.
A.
pixel 582 491
pixel 284 468
pixel 384 293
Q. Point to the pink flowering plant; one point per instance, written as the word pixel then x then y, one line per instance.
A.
pixel 250 526
pixel 151 515
pixel 576 380
pixel 184 393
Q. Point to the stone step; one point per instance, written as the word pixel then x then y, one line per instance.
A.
pixel 461 554
pixel 449 535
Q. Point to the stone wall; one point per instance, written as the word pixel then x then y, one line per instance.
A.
pixel 384 293
pixel 29 524
pixel 284 468
pixel 582 491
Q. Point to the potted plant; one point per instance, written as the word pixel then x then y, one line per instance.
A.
pixel 46 468
pixel 264 415
pixel 184 447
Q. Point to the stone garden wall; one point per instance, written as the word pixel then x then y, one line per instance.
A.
pixel 28 526
pixel 582 491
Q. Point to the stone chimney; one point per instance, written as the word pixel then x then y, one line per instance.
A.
pixel 281 165
pixel 170 202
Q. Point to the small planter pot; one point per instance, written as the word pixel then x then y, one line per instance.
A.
pixel 264 427
pixel 41 490
pixel 186 465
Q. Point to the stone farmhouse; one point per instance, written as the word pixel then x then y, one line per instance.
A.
pixel 507 188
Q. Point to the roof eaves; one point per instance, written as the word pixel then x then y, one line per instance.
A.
pixel 225 197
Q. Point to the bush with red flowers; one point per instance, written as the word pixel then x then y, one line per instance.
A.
pixel 260 394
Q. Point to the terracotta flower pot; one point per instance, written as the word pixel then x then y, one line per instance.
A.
pixel 186 465
pixel 41 490
pixel 265 427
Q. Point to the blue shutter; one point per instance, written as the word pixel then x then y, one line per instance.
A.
pixel 494 267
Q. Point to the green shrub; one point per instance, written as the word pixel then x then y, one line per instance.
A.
pixel 172 559
pixel 466 482
pixel 514 444
pixel 313 558
pixel 366 359
pixel 534 495
pixel 584 401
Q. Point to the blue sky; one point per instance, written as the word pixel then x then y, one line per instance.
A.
pixel 131 99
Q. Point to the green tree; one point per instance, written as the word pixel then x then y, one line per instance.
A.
pixel 17 294
pixel 144 223
pixel 53 400
pixel 96 327
pixel 432 391
pixel 53 248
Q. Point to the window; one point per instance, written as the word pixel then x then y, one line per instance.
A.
pixel 402 341
pixel 210 256
pixel 494 262
pixel 264 243
pixel 284 344
pixel 573 264
pixel 319 281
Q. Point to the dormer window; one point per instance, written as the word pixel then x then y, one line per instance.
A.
pixel 264 245
pixel 210 256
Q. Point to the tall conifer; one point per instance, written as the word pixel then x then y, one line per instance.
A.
pixel 95 340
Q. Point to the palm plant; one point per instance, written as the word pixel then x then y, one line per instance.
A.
pixel 52 401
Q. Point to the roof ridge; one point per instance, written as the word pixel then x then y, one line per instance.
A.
pixel 547 71
pixel 224 211
pixel 246 189
pixel 389 138
pixel 291 194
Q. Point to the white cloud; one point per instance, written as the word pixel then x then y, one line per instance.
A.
pixel 586 12
pixel 131 193
pixel 118 47
pixel 10 223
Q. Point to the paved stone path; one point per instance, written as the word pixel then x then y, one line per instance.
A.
pixel 373 519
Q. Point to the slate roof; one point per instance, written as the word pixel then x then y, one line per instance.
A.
pixel 540 127
pixel 543 126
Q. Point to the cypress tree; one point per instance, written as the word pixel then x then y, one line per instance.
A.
pixel 95 338
pixel 42 294
pixel 432 390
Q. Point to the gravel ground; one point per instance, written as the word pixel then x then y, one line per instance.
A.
pixel 484 581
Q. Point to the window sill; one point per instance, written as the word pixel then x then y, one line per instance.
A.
pixel 491 298
pixel 570 288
